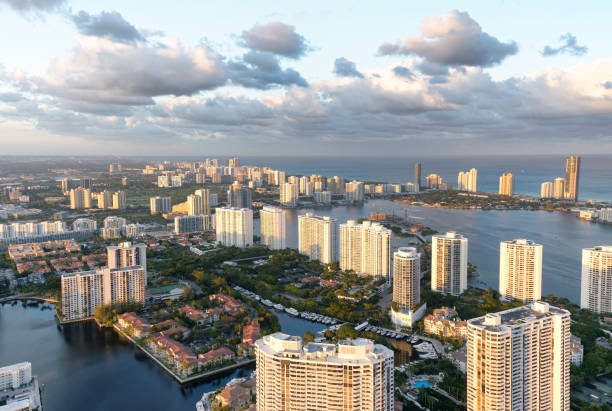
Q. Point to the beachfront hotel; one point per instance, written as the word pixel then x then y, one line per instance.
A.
pixel 365 248
pixel 596 287
pixel 272 227
pixel 519 359
pixel 234 226
pixel 520 270
pixel 449 254
pixel 318 237
pixel 350 375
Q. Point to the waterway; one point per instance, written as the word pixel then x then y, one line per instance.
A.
pixel 82 367
pixel 562 235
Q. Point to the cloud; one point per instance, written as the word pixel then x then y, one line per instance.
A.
pixel 607 85
pixel 432 69
pixel 453 39
pixel 262 70
pixel 346 68
pixel 275 37
pixel 34 6
pixel 402 71
pixel 98 70
pixel 110 25
pixel 570 47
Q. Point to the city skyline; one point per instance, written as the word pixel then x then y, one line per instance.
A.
pixel 127 80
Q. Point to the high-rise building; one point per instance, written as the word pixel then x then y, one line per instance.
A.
pixel 318 237
pixel 160 205
pixel 405 310
pixel 192 223
pixel 572 177
pixel 547 190
pixel 204 193
pixel 80 198
pixel 596 287
pixel 354 191
pixel 506 184
pixel 520 270
pixel 449 255
pixel 86 182
pixel 350 375
pixel 468 180
pixel 194 205
pixel 559 188
pixel 417 175
pixel 84 224
pixel 82 292
pixel 365 248
pixel 433 181
pixel 105 199
pixel 319 183
pixel 234 162
pixel 336 185
pixel 119 200
pixel 127 254
pixel 234 226
pixel 288 194
pixel 13 377
pixel 239 196
pixel 305 186
pixel 322 197
pixel 272 227
pixel 519 359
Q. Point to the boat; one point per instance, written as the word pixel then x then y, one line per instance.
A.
pixel 279 307
pixel 292 311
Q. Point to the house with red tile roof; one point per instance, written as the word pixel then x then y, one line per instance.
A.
pixel 251 332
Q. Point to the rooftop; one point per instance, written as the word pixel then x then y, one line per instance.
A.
pixel 513 317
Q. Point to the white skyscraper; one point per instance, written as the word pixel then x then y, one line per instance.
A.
pixel 192 223
pixel 467 180
pixel 127 254
pixel 160 205
pixel 82 292
pixel 596 289
pixel 405 310
pixel 194 205
pixel 519 359
pixel 520 270
pixel 305 186
pixel 506 184
pixel 204 194
pixel 365 248
pixel 559 188
pixel 318 237
pixel 272 227
pixel 354 191
pixel 547 190
pixel 350 375
pixel 322 197
pixel 119 200
pixel 234 226
pixel 288 194
pixel 449 254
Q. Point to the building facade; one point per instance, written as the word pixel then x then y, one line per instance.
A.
pixel 468 180
pixel 14 376
pixel 272 227
pixel 572 177
pixel 160 205
pixel 191 223
pixel 288 194
pixel 449 255
pixel 365 248
pixel 506 184
pixel 405 310
pixel 596 284
pixel 234 226
pixel 520 270
pixel 350 375
pixel 354 192
pixel 519 359
pixel 239 196
pixel 547 190
pixel 318 237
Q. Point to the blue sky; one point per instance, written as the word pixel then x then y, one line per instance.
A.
pixel 70 88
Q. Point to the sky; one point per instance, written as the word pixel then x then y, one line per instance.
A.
pixel 316 78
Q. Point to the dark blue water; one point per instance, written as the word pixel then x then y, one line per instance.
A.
pixel 562 235
pixel 529 171
pixel 83 367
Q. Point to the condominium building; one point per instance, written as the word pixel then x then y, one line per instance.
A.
pixel 82 292
pixel 559 188
pixel 365 248
pixel 350 375
pixel 520 270
pixel 322 197
pixel 506 184
pixel 119 200
pixel 14 376
pixel 547 190
pixel 433 181
pixel 354 192
pixel 272 227
pixel 234 226
pixel 417 175
pixel 519 359
pixel 449 255
pixel 305 186
pixel 467 180
pixel 288 194
pixel 596 288
pixel 127 254
pixel 336 185
pixel 160 205
pixel 572 177
pixel 319 183
pixel 84 224
pixel 127 284
pixel 105 199
pixel 318 237
pixel 204 194
pixel 194 205
pixel 239 196
pixel 80 198
pixel 192 223
pixel 405 310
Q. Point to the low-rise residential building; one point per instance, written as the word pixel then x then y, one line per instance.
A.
pixel 576 350
pixel 130 320
pixel 202 317
pixel 251 332
pixel 216 356
pixel 444 322
pixel 230 304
